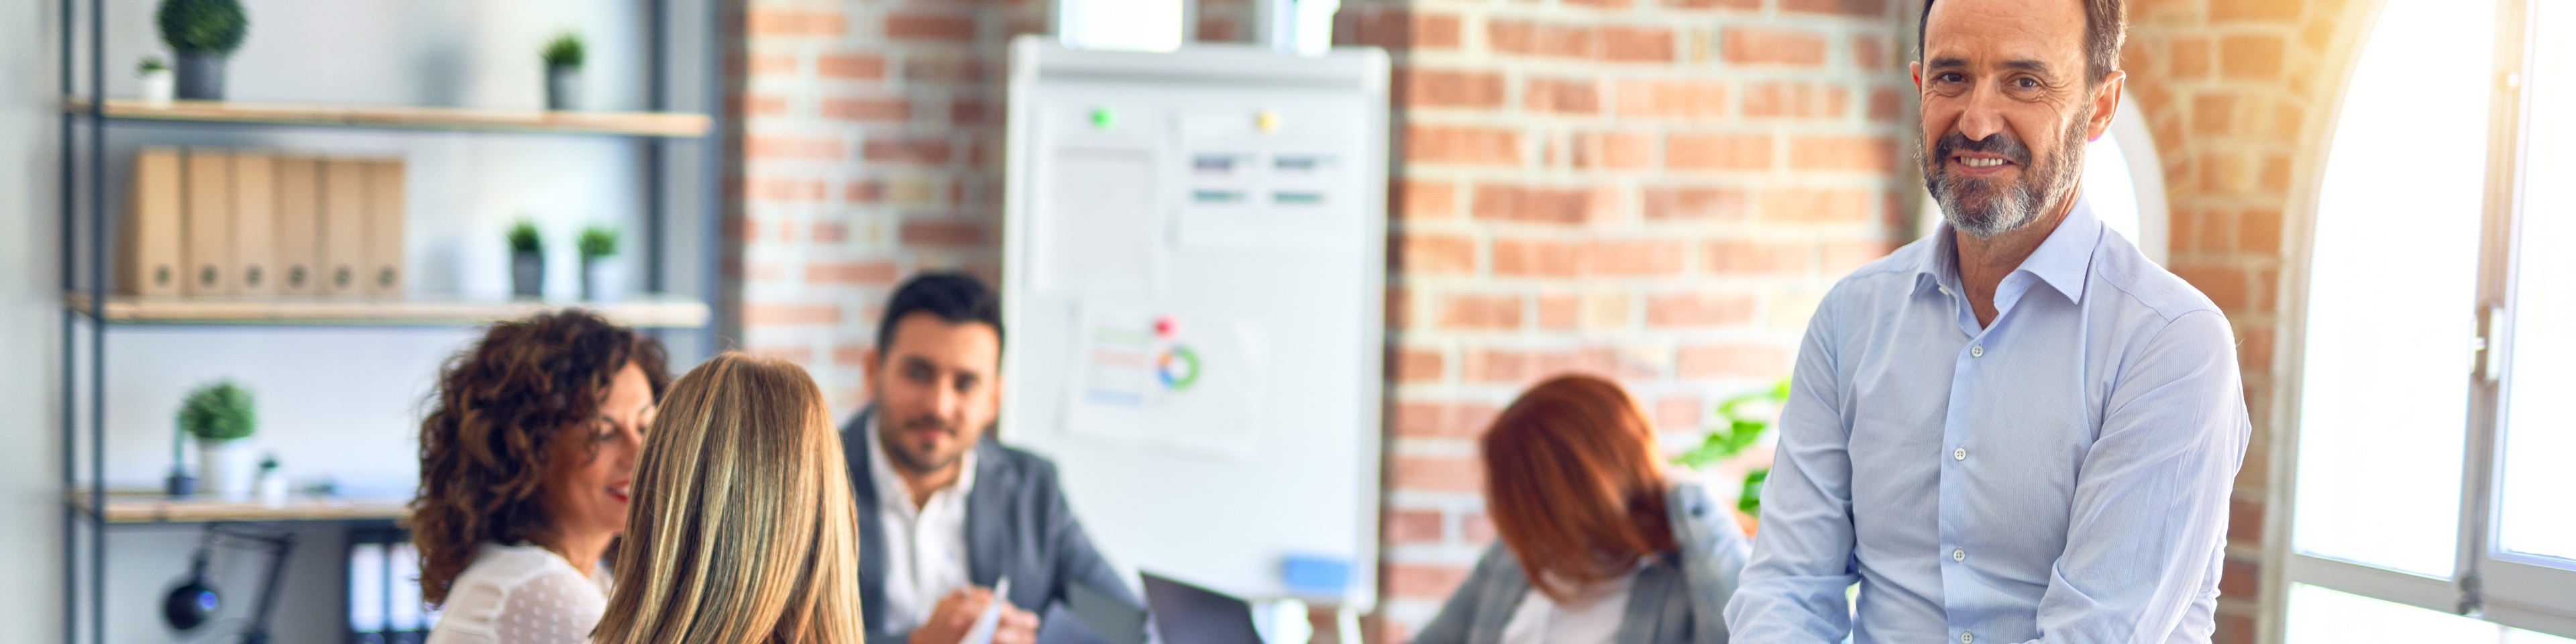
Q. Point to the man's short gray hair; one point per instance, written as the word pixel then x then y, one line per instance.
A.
pixel 2106 24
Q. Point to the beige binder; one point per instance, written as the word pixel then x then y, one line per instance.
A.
pixel 209 223
pixel 385 206
pixel 255 222
pixel 344 227
pixel 149 246
pixel 298 248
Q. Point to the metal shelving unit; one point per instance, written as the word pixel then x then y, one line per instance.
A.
pixel 90 310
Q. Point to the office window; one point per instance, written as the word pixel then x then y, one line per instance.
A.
pixel 2436 395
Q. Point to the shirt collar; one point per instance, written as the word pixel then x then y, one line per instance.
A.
pixel 891 490
pixel 2062 260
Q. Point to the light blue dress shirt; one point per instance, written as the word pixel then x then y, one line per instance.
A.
pixel 2060 475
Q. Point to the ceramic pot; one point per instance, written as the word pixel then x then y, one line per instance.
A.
pixel 603 280
pixel 563 87
pixel 201 76
pixel 229 467
pixel 527 275
pixel 158 86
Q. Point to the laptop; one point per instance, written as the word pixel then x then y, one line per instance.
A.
pixel 1089 616
pixel 1187 614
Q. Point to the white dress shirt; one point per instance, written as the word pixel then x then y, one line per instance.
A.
pixel 2058 475
pixel 1592 618
pixel 521 594
pixel 925 546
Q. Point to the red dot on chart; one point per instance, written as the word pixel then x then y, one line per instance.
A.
pixel 1164 326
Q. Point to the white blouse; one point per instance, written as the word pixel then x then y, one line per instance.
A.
pixel 521 594
pixel 1591 617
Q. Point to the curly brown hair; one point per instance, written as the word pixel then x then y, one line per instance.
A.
pixel 484 443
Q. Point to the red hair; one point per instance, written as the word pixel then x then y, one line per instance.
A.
pixel 1573 483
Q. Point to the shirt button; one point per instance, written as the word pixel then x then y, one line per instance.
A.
pixel 1966 637
pixel 1959 454
pixel 1958 554
pixel 1978 351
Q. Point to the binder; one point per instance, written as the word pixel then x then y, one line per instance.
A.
pixel 344 227
pixel 209 223
pixel 255 223
pixel 384 254
pixel 298 249
pixel 153 235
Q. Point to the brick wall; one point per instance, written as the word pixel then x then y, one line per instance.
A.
pixel 1654 190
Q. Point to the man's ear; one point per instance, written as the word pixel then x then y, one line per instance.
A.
pixel 1915 69
pixel 2106 104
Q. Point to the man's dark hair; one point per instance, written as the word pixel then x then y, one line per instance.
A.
pixel 955 298
pixel 2106 23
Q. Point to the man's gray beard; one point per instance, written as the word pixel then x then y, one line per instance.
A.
pixel 2020 204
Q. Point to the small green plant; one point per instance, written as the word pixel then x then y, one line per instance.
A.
pixel 597 242
pixel 563 51
pixel 219 411
pixel 524 238
pixel 151 64
pixel 1743 428
pixel 215 26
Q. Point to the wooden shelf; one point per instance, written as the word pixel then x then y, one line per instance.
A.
pixel 670 124
pixel 655 312
pixel 152 507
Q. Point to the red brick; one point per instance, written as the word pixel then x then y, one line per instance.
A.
pixel 967 111
pixel 1869 52
pixel 796 354
pixel 1443 420
pixel 1714 4
pixel 1516 367
pixel 2213 114
pixel 1739 257
pixel 1636 44
pixel 2225 286
pixel 1436 474
pixel 1408 526
pixel 831 232
pixel 850 354
pixel 1694 203
pixel 1672 99
pixel 1731 361
pixel 850 66
pixel 1435 31
pixel 1698 310
pixel 1843 257
pixel 1400 30
pixel 1480 312
pixel 1818 206
pixel 1680 413
pixel 2273 11
pixel 1760 46
pixel 784 22
pixel 1421 581
pixel 1425 199
pixel 1476 529
pixel 764 105
pixel 1857 153
pixel 1885 104
pixel 758 313
pixel 771 65
pixel 868 273
pixel 2244 522
pixel 1399 308
pixel 1449 88
pixel 1217 29
pixel 942 233
pixel 1416 365
pixel 2189 58
pixel 1461 144
pixel 2254 348
pixel 1717 151
pixel 1530 38
pixel 2258 230
pixel 933 151
pixel 1797 100
pixel 2238 578
pixel 1845 7
pixel 1600 4
pixel 864 191
pixel 1536 204
pixel 942 69
pixel 1612 150
pixel 2232 629
pixel 1636 257
pixel 901 25
pixel 771 146
pixel 1559 312
pixel 868 109
pixel 2250 57
pixel 1538 258
pixel 1562 95
pixel 1421 253
pixel 783 189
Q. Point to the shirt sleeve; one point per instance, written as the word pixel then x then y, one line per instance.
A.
pixel 1792 590
pixel 549 609
pixel 2149 521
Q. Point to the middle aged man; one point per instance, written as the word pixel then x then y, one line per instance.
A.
pixel 2018 429
pixel 945 512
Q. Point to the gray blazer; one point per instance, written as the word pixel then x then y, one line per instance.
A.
pixel 1017 524
pixel 1679 598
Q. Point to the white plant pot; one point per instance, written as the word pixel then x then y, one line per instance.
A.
pixel 158 86
pixel 229 468
pixel 603 281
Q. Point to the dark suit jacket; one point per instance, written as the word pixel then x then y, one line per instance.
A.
pixel 1017 524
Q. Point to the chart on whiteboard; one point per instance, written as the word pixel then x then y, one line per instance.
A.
pixel 1189 382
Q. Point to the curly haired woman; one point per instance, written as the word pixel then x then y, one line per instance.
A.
pixel 526 456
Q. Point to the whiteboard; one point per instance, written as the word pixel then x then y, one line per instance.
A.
pixel 1193 283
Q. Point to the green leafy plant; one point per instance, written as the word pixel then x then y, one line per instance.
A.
pixel 564 51
pixel 215 26
pixel 597 242
pixel 219 411
pixel 151 64
pixel 524 238
pixel 1743 427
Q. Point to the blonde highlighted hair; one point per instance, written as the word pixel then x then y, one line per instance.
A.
pixel 741 530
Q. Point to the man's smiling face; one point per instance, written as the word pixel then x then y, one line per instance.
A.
pixel 2007 107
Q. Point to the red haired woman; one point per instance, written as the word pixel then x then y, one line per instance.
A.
pixel 1598 545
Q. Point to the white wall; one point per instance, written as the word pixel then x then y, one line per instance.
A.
pixel 30 609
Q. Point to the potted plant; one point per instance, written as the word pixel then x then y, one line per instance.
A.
pixel 222 417
pixel 527 260
pixel 202 33
pixel 1747 417
pixel 563 71
pixel 601 279
pixel 154 76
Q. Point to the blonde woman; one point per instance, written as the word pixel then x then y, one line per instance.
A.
pixel 741 530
